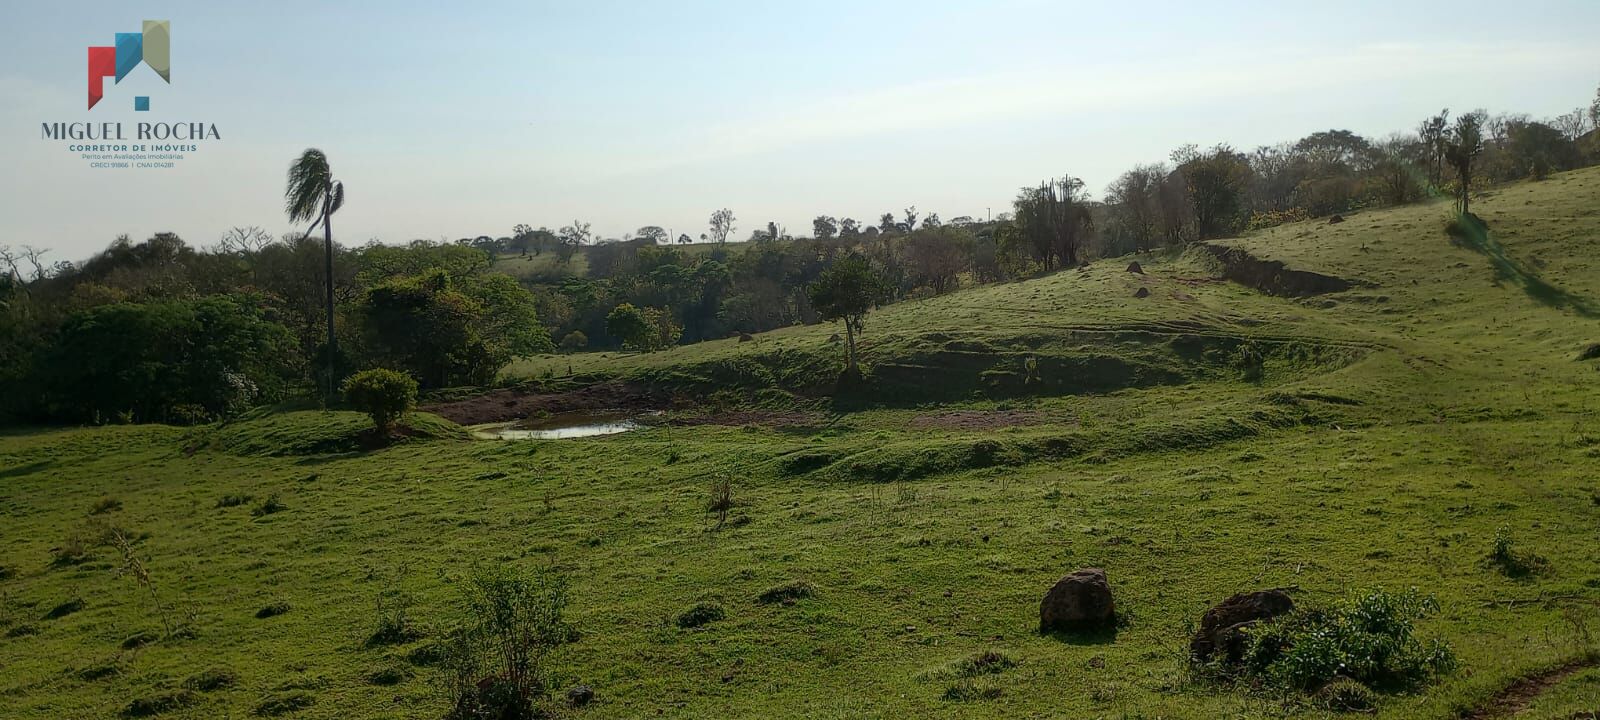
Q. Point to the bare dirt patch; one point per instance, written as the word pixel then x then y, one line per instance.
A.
pixel 1517 696
pixel 512 404
pixel 978 419
pixel 1273 277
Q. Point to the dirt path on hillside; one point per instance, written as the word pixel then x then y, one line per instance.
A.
pixel 1517 696
pixel 510 404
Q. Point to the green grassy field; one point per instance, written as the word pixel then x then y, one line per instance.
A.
pixel 1010 434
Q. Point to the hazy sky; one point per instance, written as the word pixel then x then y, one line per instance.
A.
pixel 449 121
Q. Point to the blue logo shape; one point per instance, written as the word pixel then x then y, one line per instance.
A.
pixel 130 52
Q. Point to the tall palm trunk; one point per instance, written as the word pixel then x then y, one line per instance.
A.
pixel 333 342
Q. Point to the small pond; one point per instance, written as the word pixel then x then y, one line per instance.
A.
pixel 575 424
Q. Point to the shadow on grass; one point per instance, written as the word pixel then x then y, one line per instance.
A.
pixel 28 469
pixel 1087 636
pixel 1470 232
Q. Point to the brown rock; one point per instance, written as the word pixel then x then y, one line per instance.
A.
pixel 1133 267
pixel 1221 627
pixel 1335 220
pixel 1079 601
pixel 1142 293
pixel 745 337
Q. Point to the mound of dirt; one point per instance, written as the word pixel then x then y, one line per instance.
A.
pixel 1222 626
pixel 1079 601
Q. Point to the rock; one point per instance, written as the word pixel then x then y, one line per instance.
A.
pixel 1336 219
pixel 835 339
pixel 1142 293
pixel 745 337
pixel 1221 626
pixel 580 695
pixel 1133 267
pixel 1079 601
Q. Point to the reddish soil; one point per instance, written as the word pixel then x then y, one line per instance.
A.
pixel 977 419
pixel 1517 696
pixel 510 404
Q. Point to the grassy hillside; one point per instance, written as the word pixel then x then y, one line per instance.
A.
pixel 1204 440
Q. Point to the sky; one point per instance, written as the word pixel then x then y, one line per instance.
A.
pixel 449 120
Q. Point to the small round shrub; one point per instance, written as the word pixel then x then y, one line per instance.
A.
pixel 787 593
pixel 1346 695
pixel 385 395
pixel 391 674
pixel 282 703
pixel 701 614
pixel 211 679
pixel 158 704
pixel 574 341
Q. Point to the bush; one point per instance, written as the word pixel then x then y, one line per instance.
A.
pixel 159 703
pixel 965 690
pixel 105 505
pixel 701 614
pixel 211 679
pixel 385 395
pixel 64 609
pixel 787 593
pixel 392 674
pixel 989 662
pixel 1346 695
pixel 394 620
pixel 285 702
pixel 574 341
pixel 228 501
pixel 1512 561
pixel 497 661
pixel 1369 639
pixel 269 506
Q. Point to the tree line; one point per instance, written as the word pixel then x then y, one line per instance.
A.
pixel 161 330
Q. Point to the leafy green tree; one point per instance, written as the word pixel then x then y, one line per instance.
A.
pixel 824 227
pixel 510 317
pixel 1463 147
pixel 721 225
pixel 384 395
pixel 1216 181
pixel 1594 109
pixel 654 234
pixel 1435 133
pixel 162 361
pixel 427 327
pixel 1055 220
pixel 630 326
pixel 574 341
pixel 1536 149
pixel 313 194
pixel 665 330
pixel 847 291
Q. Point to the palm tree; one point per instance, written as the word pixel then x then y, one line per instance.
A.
pixel 313 194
